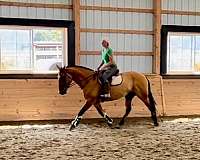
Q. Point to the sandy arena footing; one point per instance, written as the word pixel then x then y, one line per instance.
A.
pixel 173 139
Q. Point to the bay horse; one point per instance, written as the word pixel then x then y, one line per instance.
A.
pixel 133 84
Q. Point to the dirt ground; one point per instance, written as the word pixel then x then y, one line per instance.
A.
pixel 137 140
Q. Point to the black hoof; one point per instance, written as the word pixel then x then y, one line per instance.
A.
pixel 156 124
pixel 109 124
pixel 71 127
pixel 118 127
pixel 121 123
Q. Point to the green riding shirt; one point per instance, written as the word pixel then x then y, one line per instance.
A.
pixel 105 54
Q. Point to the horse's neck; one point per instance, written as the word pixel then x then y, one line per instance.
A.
pixel 79 74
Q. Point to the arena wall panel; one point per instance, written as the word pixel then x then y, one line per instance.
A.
pixel 35 99
pixel 46 10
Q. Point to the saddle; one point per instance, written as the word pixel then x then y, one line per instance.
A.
pixel 115 79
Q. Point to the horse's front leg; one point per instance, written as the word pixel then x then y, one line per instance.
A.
pixel 78 118
pixel 100 110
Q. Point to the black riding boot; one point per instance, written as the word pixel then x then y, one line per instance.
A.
pixel 106 90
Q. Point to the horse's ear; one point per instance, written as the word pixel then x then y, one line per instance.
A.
pixel 58 66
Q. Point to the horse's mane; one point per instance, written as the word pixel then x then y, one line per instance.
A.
pixel 81 67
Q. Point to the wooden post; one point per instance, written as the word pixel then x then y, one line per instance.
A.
pixel 76 18
pixel 157 32
pixel 162 97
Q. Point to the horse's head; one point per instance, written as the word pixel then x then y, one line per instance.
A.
pixel 64 79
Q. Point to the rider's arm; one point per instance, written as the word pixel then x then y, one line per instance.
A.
pixel 100 65
pixel 111 59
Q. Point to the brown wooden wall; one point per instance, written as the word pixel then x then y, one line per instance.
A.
pixel 36 99
pixel 182 96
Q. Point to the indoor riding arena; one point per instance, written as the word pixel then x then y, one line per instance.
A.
pixel 156 38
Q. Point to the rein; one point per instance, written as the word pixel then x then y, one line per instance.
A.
pixel 87 78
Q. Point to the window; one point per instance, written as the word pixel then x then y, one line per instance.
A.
pixel 31 49
pixel 180 51
pixel 183 53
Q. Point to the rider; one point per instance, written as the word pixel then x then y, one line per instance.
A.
pixel 108 68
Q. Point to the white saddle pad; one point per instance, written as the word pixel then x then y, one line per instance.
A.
pixel 116 80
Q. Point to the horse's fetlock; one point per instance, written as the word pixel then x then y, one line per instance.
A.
pixel 110 121
pixel 76 121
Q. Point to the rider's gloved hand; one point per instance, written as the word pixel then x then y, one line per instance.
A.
pixel 98 69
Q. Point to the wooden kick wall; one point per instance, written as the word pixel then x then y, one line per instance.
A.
pixel 182 97
pixel 39 100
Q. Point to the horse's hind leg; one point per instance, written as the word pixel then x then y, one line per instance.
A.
pixel 100 110
pixel 78 118
pixel 128 101
pixel 150 103
pixel 152 108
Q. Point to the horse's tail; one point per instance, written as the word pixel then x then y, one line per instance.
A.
pixel 151 98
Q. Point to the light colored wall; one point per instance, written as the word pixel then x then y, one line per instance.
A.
pixel 120 42
pixel 119 3
pixel 37 13
pixel 181 5
pixel 96 19
pixel 116 20
pixel 125 63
